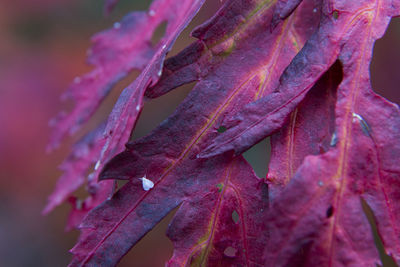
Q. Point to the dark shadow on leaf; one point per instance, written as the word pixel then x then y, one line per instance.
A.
pixel 159 33
pixel 387 260
pixel 159 109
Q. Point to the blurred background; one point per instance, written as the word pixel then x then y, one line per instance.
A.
pixel 43 46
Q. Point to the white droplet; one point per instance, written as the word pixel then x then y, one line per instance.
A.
pixel 320 183
pixel 159 73
pixel 77 79
pixel 314 10
pixel 164 46
pixel 146 183
pixel 151 12
pixel 334 139
pixel 97 165
pixel 117 25
pixel 137 107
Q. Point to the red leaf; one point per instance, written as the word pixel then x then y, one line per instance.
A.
pixel 115 52
pixel 335 144
pixel 125 112
pixel 75 168
pixel 223 227
pixel 318 219
pixel 310 130
pixel 167 156
pixel 265 116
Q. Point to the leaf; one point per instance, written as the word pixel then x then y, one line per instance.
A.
pixel 310 130
pixel 75 167
pixel 240 192
pixel 167 156
pixel 318 219
pixel 335 143
pixel 115 52
pixel 327 214
pixel 223 225
pixel 125 112
pixel 119 50
pixel 267 115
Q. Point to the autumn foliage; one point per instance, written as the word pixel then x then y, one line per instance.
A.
pixel 297 71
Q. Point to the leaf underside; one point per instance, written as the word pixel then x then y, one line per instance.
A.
pixel 297 71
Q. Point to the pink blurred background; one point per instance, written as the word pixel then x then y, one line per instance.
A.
pixel 42 48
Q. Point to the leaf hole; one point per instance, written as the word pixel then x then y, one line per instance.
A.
pixel 159 33
pixel 387 260
pixel 121 183
pixel 235 217
pixel 335 15
pixel 385 78
pixel 221 129
pixel 258 156
pixel 220 187
pixel 329 212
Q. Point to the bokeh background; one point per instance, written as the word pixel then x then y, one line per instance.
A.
pixel 43 45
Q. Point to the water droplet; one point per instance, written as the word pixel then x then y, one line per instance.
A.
pixel 320 183
pixel 77 79
pixel 164 46
pixel 314 10
pixel 97 165
pixel 137 107
pixel 117 25
pixel 334 139
pixel 151 13
pixel 146 183
pixel 159 73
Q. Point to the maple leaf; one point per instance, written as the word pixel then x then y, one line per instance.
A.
pixel 168 157
pixel 318 218
pixel 309 130
pixel 296 71
pixel 75 167
pixel 115 52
